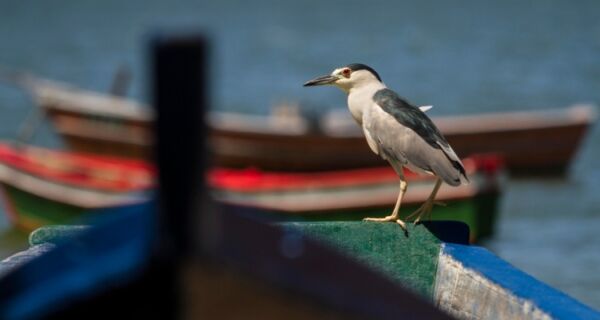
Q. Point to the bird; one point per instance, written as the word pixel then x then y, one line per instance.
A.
pixel 397 131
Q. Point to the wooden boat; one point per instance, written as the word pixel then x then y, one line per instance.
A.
pixel 41 187
pixel 531 142
pixel 358 193
pixel 465 281
pixel 535 142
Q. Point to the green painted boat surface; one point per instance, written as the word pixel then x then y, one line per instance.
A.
pixel 410 260
pixel 479 213
pixel 56 234
pixel 29 211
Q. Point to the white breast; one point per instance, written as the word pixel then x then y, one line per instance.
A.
pixel 361 98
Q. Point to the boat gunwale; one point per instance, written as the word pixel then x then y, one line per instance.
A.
pixel 65 193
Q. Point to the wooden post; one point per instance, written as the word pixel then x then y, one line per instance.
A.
pixel 180 95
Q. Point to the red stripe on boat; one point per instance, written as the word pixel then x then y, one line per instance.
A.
pixel 88 171
pixel 256 180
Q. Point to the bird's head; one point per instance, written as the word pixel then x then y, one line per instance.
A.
pixel 347 77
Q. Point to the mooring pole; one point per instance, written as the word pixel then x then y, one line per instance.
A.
pixel 180 96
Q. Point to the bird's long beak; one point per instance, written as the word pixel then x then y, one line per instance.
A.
pixel 328 79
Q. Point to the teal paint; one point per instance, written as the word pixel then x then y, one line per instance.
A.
pixel 55 234
pixel 409 260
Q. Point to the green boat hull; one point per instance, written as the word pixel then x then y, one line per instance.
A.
pixel 479 213
pixel 29 212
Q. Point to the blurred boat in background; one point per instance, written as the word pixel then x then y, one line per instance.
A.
pixel 541 142
pixel 358 193
pixel 45 187
pixel 41 187
pixel 536 142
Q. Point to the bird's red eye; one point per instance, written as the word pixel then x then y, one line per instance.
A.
pixel 346 73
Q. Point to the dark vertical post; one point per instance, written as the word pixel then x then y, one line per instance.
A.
pixel 180 96
pixel 154 290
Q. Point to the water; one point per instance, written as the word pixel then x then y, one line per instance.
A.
pixel 460 56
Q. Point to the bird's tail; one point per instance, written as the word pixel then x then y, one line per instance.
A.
pixel 457 175
pixel 463 176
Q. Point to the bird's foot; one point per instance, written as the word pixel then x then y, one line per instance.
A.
pixel 424 210
pixel 402 225
pixel 384 219
pixel 389 219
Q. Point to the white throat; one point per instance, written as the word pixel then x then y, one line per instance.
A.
pixel 361 97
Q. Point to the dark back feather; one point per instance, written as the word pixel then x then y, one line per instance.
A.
pixel 409 116
pixel 412 117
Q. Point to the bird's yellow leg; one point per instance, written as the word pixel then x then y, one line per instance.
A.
pixel 395 214
pixel 425 209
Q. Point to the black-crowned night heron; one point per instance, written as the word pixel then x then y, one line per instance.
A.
pixel 398 132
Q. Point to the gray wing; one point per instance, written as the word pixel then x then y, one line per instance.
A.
pixel 405 134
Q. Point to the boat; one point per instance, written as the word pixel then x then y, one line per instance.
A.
pixel 44 187
pixel 325 263
pixel 541 142
pixel 531 142
pixel 347 195
pixel 334 269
